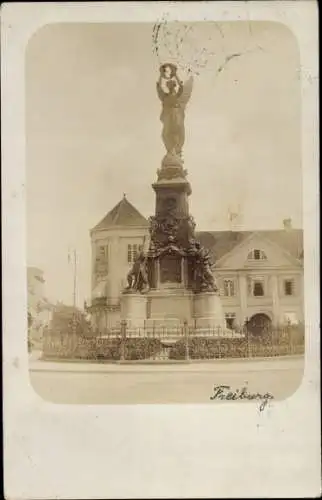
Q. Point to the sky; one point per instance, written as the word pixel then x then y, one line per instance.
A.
pixel 93 133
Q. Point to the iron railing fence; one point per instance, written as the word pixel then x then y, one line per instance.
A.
pixel 181 342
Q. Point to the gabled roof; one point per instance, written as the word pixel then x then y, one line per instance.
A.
pixel 219 243
pixel 123 214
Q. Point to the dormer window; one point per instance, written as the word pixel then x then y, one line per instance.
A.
pixel 257 254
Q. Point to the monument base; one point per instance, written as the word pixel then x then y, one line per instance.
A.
pixel 172 306
pixel 169 309
pixel 208 311
pixel 134 309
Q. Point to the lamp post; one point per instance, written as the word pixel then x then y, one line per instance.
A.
pixel 74 258
pixel 186 338
pixel 123 339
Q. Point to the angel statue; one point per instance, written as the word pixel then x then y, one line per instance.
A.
pixel 174 101
pixel 203 274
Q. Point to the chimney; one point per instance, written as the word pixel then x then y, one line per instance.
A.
pixel 287 223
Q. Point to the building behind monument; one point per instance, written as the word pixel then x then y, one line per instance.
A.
pixel 259 273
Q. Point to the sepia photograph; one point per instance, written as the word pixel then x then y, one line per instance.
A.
pixel 160 250
pixel 164 212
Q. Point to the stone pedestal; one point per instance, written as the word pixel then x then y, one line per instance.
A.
pixel 208 311
pixel 170 306
pixel 134 309
pixel 175 266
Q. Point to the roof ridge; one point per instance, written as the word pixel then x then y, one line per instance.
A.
pixel 123 214
pixel 221 242
pixel 116 208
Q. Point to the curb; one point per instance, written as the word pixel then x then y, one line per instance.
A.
pixel 168 362
pixel 151 367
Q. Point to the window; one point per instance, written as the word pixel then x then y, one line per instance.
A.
pixel 288 287
pixel 133 252
pixel 130 254
pixel 230 320
pixel 229 288
pixel 101 264
pixel 102 253
pixel 257 254
pixel 258 288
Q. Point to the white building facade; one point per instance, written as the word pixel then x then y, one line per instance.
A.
pixel 115 241
pixel 259 274
pixel 260 282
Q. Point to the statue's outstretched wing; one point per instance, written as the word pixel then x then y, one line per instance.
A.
pixel 186 91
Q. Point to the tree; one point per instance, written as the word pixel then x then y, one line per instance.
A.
pixel 30 319
pixel 30 322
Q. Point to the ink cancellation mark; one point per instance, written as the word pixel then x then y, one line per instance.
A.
pixel 226 393
pixel 181 43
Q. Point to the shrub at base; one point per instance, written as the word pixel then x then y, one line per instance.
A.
pixel 277 342
pixel 102 349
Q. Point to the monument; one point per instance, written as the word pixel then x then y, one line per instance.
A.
pixel 172 281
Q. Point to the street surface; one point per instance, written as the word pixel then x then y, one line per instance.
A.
pixel 89 383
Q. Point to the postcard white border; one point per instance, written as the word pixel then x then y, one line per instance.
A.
pixel 66 451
